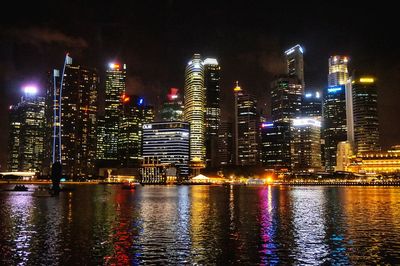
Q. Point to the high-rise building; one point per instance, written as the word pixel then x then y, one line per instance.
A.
pixel 100 152
pixel 295 63
pixel 130 132
pixel 334 123
pixel 194 100
pixel 26 136
pixel 311 105
pixel 246 128
pixel 306 144
pixel 115 83
pixel 275 141
pixel 225 154
pixel 286 95
pixel 168 143
pixel 78 120
pixel 364 103
pixel 172 109
pixel 212 108
pixel 338 73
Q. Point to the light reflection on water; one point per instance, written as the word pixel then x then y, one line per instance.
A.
pixel 104 225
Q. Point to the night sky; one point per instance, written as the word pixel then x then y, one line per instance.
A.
pixel 157 38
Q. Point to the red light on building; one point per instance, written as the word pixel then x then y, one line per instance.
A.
pixel 173 94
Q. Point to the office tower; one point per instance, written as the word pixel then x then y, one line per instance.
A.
pixel 246 128
pixel 172 108
pixel 212 109
pixel 275 141
pixel 78 100
pixel 100 152
pixel 311 105
pixel 130 131
pixel 167 143
pixel 343 155
pixel 334 123
pixel 364 114
pixel 115 83
pixel 286 96
pixel 26 135
pixel 225 155
pixel 338 73
pixel 306 144
pixel 194 100
pixel 295 63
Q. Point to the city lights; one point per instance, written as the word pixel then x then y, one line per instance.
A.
pixel 335 89
pixel 30 89
pixel 367 80
pixel 306 122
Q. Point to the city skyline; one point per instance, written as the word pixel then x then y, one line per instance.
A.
pixel 253 60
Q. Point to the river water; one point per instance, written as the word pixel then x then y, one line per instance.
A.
pixel 105 225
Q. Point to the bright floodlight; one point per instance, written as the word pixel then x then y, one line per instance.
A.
pixel 30 89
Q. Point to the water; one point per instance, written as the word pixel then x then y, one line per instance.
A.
pixel 104 225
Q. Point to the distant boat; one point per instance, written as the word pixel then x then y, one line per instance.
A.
pixel 18 188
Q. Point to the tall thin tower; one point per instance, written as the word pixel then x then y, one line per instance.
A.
pixel 115 89
pixel 194 101
pixel 295 63
pixel 212 108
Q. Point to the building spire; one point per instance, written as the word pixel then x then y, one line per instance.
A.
pixel 237 87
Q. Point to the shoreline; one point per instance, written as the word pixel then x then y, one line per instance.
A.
pixel 289 184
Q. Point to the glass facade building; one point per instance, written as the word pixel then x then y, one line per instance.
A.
pixel 168 143
pixel 365 114
pixel 306 144
pixel 295 63
pixel 115 87
pixel 78 121
pixel 286 96
pixel 194 108
pixel 246 128
pixel 334 123
pixel 338 72
pixel 275 141
pixel 27 134
pixel 212 108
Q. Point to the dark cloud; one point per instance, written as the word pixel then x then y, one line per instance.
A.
pixel 40 36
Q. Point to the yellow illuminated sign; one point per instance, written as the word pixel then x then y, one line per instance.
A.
pixel 367 80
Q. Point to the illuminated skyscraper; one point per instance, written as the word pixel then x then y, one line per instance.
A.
pixel 212 108
pixel 100 137
pixel 115 83
pixel 27 128
pixel 130 132
pixel 172 109
pixel 194 99
pixel 334 123
pixel 246 128
pixel 78 121
pixel 275 141
pixel 295 63
pixel 306 144
pixel 286 95
pixel 338 73
pixel 167 142
pixel 364 114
